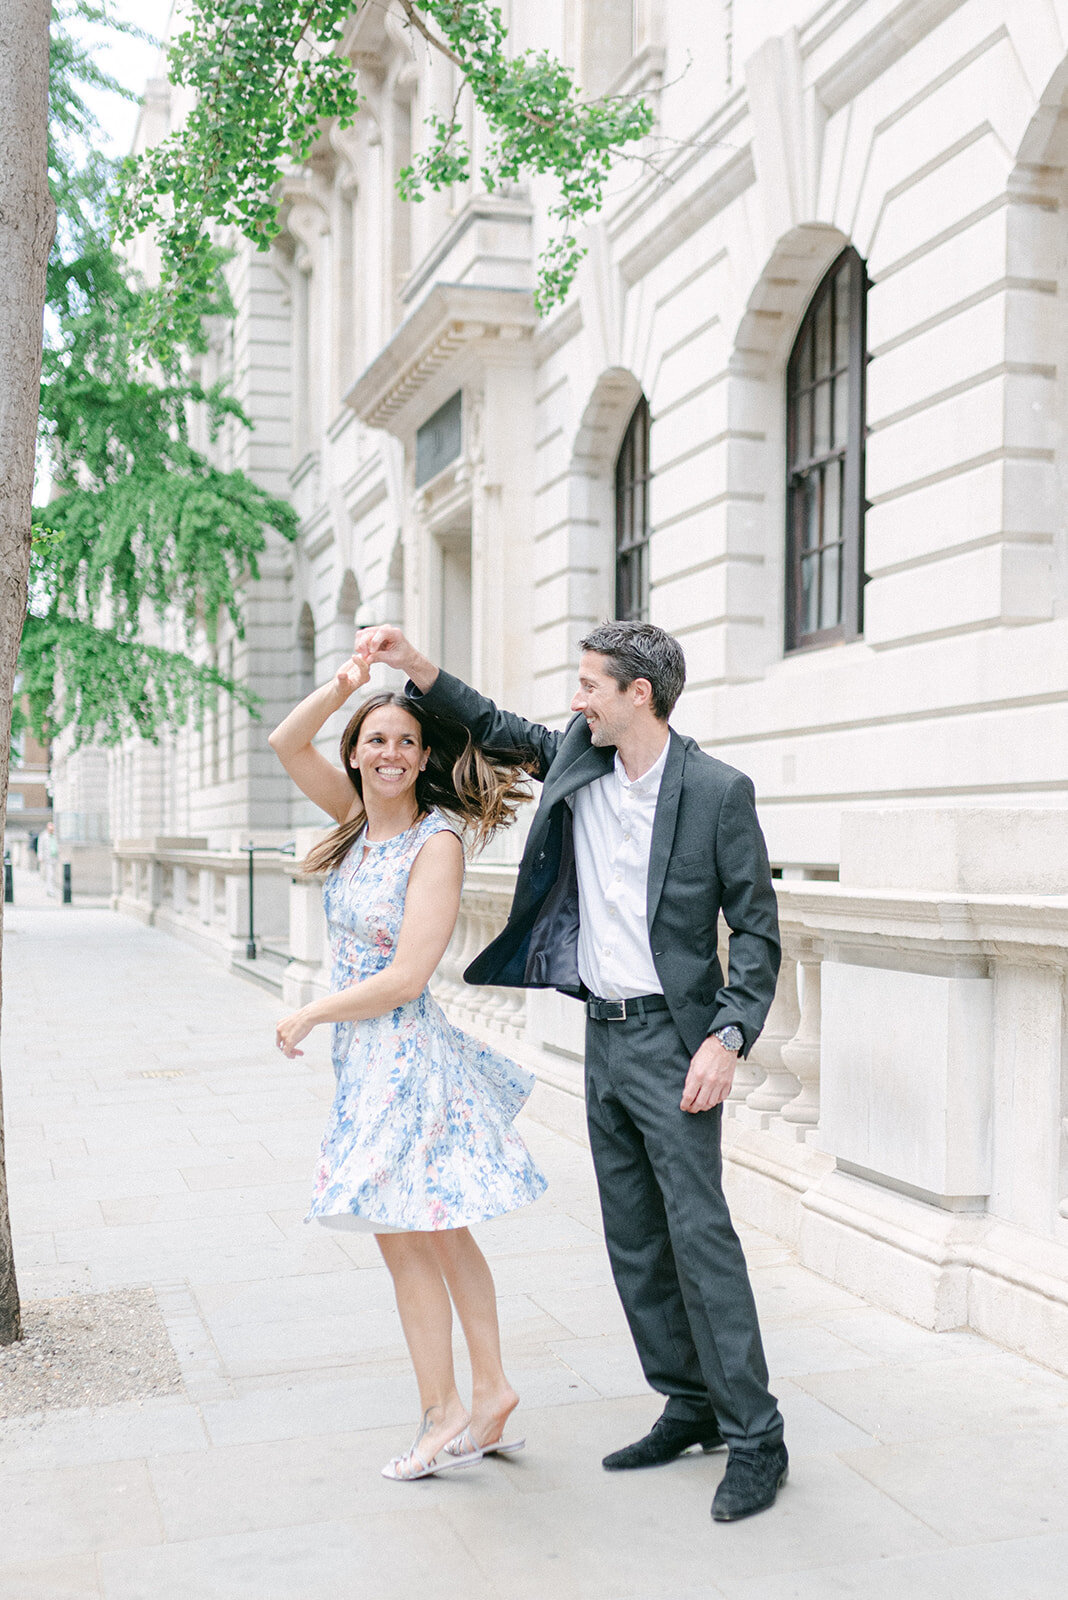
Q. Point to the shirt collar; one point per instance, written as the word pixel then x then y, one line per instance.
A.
pixel 649 782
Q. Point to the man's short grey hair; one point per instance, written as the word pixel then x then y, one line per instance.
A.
pixel 640 650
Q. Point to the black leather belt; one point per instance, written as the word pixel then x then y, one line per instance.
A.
pixel 620 1010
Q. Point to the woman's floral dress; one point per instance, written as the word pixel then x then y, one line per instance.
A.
pixel 421 1131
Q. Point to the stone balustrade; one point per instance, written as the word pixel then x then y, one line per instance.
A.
pixel 201 895
pixel 908 1133
pixel 483 911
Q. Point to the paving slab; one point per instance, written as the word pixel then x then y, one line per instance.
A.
pixel 391 1553
pixel 157 1140
pixel 69 1578
pixel 65 1510
pixel 993 1486
pixel 1019 1569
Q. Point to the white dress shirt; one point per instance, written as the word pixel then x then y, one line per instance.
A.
pixel 613 834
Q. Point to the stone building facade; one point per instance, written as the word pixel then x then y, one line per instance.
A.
pixel 29 803
pixel 805 409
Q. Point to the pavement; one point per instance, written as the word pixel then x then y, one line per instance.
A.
pixel 157 1139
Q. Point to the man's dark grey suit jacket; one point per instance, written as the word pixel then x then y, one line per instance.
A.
pixel 707 855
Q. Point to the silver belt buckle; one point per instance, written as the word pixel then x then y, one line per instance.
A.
pixel 622 1016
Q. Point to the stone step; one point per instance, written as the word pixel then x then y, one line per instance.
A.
pixel 267 969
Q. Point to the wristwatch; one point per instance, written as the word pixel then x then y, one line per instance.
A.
pixel 730 1037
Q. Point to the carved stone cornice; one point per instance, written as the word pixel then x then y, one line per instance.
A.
pixel 453 320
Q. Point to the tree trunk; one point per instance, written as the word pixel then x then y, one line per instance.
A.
pixel 27 222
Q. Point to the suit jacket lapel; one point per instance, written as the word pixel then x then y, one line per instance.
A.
pixel 591 763
pixel 667 810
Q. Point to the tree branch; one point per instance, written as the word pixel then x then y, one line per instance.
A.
pixel 416 21
pixel 420 26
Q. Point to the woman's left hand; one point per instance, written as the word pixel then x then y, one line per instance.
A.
pixel 291 1030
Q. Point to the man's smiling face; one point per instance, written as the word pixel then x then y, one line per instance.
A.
pixel 608 709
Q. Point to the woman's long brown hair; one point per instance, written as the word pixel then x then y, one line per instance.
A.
pixel 481 788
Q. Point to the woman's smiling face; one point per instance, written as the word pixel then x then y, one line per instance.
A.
pixel 389 753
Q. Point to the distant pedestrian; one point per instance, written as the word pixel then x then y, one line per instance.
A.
pixel 47 856
pixel 420 1142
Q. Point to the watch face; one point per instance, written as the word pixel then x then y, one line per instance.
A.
pixel 731 1038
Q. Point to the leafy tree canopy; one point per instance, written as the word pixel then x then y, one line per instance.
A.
pixel 141 524
pixel 266 74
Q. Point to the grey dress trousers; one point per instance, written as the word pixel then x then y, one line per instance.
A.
pixel 676 1259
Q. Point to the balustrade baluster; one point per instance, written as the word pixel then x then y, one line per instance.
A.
pixel 513 1020
pixel 463 996
pixel 779 1084
pixel 496 1006
pixel 445 984
pixel 801 1054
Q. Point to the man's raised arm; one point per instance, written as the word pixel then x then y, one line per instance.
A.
pixel 489 727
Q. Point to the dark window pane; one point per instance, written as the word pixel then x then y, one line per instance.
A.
pixel 810 530
pixel 822 431
pixel 830 588
pixel 841 315
pixel 439 440
pixel 630 586
pixel 823 337
pixel 832 502
pixel 809 593
pixel 804 426
pixel 841 411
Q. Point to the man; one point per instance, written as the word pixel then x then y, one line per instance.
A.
pixel 638 842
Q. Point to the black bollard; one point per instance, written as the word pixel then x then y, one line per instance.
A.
pixel 9 881
pixel 66 883
pixel 250 943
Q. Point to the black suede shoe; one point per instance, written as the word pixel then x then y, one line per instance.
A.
pixel 665 1440
pixel 752 1480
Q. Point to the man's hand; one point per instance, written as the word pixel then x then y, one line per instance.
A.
pixel 710 1078
pixel 387 643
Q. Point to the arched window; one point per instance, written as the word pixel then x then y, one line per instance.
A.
pixel 825 462
pixel 632 519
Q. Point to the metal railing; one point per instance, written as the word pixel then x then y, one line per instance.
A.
pixel 251 850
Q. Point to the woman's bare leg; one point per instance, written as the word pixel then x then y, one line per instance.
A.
pixel 426 1317
pixel 470 1282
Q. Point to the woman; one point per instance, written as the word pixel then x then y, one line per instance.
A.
pixel 420 1140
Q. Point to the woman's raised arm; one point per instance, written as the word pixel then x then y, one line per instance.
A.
pixel 324 784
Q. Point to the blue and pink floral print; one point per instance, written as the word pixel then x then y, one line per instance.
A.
pixel 421 1131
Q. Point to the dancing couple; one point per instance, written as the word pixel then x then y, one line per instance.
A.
pixel 639 841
